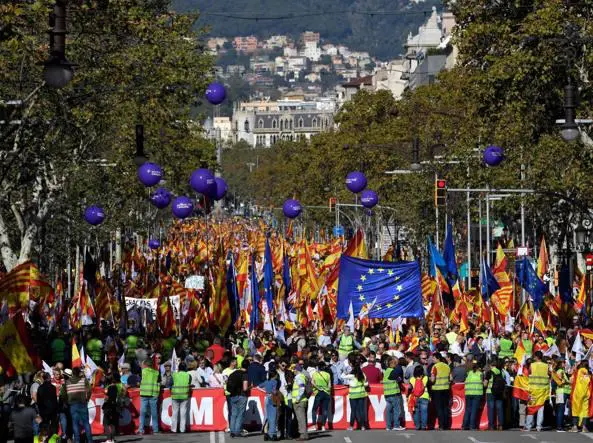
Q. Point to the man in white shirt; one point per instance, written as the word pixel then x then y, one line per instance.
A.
pixel 456 348
pixel 325 339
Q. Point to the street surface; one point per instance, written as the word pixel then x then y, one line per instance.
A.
pixel 408 436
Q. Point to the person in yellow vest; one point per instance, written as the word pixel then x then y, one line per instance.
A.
pixel 322 384
pixel 358 398
pixel 441 383
pixel 505 346
pixel 346 343
pixel 300 400
pixel 180 393
pixel 419 391
pixel 226 373
pixel 539 391
pixel 580 398
pixel 562 393
pixel 149 396
pixel 392 393
pixel 474 391
pixel 495 398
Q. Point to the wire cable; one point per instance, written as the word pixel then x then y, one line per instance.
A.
pixel 239 16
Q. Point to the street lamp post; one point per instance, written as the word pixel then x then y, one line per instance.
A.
pixel 569 129
pixel 57 71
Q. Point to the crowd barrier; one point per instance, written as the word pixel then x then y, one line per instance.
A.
pixel 208 410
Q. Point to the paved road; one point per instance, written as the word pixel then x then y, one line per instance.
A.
pixel 408 436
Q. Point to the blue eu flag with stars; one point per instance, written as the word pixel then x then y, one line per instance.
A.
pixel 384 289
pixel 529 281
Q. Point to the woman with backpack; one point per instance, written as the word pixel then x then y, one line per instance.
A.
pixel 419 398
pixel 274 400
pixel 358 398
pixel 495 387
pixel 474 390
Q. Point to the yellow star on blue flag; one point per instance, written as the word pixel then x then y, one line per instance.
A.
pixel 395 287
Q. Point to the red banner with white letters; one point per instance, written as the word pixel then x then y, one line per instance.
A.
pixel 208 410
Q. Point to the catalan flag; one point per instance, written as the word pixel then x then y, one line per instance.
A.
pixel 543 262
pixel 76 360
pixel 502 299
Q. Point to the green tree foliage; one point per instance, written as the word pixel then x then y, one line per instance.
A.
pixel 137 62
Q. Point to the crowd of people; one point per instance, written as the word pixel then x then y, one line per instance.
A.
pixel 524 379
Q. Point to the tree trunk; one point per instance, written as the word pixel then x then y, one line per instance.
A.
pixel 9 258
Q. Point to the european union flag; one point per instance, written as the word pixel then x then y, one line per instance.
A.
pixel 254 317
pixel 436 261
pixel 449 256
pixel 386 289
pixel 268 277
pixel 529 281
pixel 564 285
pixel 489 283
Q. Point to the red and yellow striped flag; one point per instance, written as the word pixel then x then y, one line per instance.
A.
pixel 220 308
pixel 21 284
pixel 16 350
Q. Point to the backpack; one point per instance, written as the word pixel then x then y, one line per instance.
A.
pixel 419 388
pixel 308 387
pixel 498 385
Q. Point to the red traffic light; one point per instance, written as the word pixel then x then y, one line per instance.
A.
pixel 589 259
pixel 441 184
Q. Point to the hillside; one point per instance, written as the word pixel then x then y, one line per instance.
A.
pixel 377 26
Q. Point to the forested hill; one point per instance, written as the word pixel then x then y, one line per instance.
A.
pixel 377 26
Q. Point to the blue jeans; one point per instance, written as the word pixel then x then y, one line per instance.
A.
pixel 320 403
pixel 63 423
pixel 421 414
pixel 358 412
pixel 238 407
pixel 272 417
pixel 472 406
pixel 494 405
pixel 80 416
pixel 152 404
pixel 392 411
pixel 559 409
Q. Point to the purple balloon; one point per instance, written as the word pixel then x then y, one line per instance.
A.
pixel 369 198
pixel 215 93
pixel 493 155
pixel 292 208
pixel 150 174
pixel 356 181
pixel 182 207
pixel 94 215
pixel 161 198
pixel 153 243
pixel 221 188
pixel 202 181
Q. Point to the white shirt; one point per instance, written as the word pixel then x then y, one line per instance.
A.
pixel 456 349
pixel 324 341
pixel 216 380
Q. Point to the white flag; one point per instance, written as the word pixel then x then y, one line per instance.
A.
pixel 82 356
pixel 577 347
pixel 552 351
pixel 89 368
pixel 174 361
pixel 350 322
pixel 47 368
pixel 121 360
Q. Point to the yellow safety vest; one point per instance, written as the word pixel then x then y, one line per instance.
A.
pixel 358 390
pixel 473 384
pixel 538 378
pixel 149 385
pixel 295 388
pixel 321 382
pixel 346 344
pixel 441 382
pixel 506 347
pixel 425 395
pixel 226 373
pixel 493 372
pixel 181 383
pixel 390 387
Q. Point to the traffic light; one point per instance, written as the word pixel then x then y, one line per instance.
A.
pixel 332 203
pixel 440 192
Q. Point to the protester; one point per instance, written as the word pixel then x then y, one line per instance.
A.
pixel 149 397
pixel 47 407
pixel 272 402
pixel 112 406
pixel 22 419
pixel 440 378
pixel 76 392
pixel 358 398
pixel 580 399
pixel 539 391
pixel 180 392
pixel 392 393
pixel 322 383
pixel 300 397
pixel 238 387
pixel 420 397
pixel 474 391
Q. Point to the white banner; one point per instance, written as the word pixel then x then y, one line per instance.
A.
pixel 150 304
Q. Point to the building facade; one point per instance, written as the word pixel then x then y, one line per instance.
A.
pixel 262 124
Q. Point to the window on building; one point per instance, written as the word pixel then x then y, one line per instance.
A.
pixel 290 121
pixel 326 123
pixel 274 123
pixel 260 123
pixel 314 123
pixel 301 122
pixel 246 126
pixel 281 125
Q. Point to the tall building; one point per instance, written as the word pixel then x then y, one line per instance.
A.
pixel 245 44
pixel 264 123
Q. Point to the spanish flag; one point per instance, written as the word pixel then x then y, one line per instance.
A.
pixel 16 350
pixel 520 352
pixel 76 360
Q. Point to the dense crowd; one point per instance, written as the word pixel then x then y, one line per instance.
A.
pixel 525 379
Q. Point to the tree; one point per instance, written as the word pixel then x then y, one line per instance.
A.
pixel 50 166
